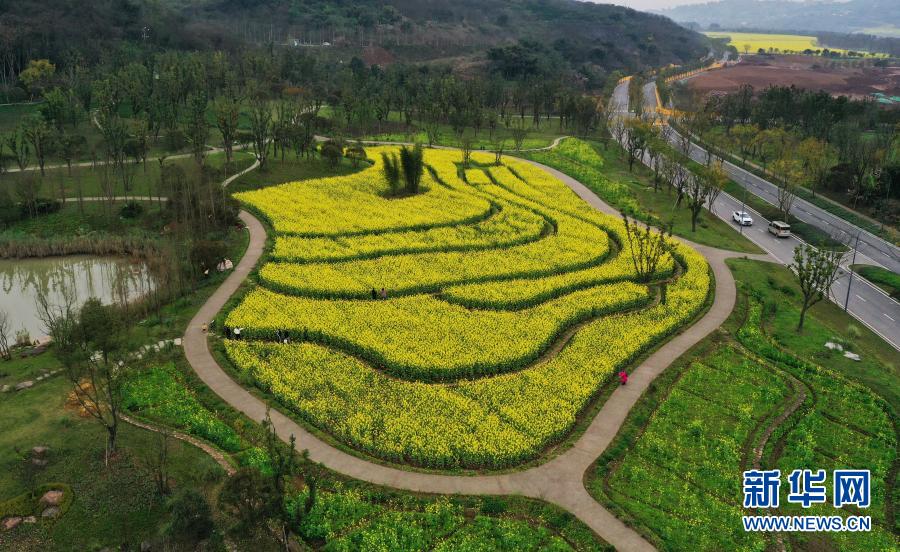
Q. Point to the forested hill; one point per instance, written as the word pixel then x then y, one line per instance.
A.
pixel 607 35
pixel 841 16
pixel 581 35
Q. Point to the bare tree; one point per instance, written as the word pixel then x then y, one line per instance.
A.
pixel 196 127
pixel 716 178
pixel 788 172
pixel 677 175
pixel 159 462
pixel 636 140
pixel 696 194
pixel 432 131
pixel 656 148
pixel 608 117
pixel 466 144
pixel 89 343
pixel 693 122
pixel 816 271
pixel 787 193
pixel 499 146
pixel 40 137
pixel 619 130
pixel 647 247
pixel 702 189
pixel 4 335
pixel 518 133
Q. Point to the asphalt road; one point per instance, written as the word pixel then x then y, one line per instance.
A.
pixel 871 249
pixel 866 302
pixel 874 249
pixel 620 98
pixel 649 92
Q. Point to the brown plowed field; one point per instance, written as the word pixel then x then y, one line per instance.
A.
pixel 811 72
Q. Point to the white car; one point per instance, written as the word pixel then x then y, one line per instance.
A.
pixel 742 217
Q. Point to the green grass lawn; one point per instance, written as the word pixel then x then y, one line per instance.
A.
pixel 678 478
pixel 118 504
pixel 673 472
pixel 881 277
pixel 91 217
pixel 395 130
pixel 291 170
pixel 10 115
pixel 113 506
pixel 91 182
pixel 606 173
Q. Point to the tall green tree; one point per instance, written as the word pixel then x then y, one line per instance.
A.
pixel 260 129
pixel 17 142
pixel 40 136
pixel 390 166
pixel 816 271
pixel 90 343
pixel 196 127
pixel 227 109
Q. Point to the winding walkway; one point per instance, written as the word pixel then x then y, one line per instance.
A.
pixel 560 480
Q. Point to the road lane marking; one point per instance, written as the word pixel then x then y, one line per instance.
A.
pixel 889 318
pixel 860 298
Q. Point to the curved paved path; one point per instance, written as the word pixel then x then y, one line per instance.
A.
pixel 559 481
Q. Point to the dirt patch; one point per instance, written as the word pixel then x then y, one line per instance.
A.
pixel 854 78
pixel 376 55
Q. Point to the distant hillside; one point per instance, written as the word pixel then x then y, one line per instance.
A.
pixel 880 17
pixel 581 34
pixel 56 28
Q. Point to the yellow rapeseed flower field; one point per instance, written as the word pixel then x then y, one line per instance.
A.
pixel 509 304
pixel 784 43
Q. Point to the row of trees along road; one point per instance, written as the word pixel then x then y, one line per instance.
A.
pixel 850 148
pixel 697 187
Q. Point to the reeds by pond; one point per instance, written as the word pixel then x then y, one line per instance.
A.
pixel 22 247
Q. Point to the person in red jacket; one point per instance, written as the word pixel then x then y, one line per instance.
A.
pixel 623 377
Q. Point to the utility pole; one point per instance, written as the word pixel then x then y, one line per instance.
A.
pixel 743 206
pixel 850 282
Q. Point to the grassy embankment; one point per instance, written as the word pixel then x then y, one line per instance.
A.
pixel 605 172
pixel 881 277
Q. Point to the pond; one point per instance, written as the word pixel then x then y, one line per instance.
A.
pixel 110 279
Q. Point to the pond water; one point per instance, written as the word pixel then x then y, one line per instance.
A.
pixel 112 280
